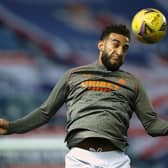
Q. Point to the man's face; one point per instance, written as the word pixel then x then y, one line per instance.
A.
pixel 114 50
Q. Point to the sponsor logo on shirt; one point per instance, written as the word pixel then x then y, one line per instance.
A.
pixel 103 86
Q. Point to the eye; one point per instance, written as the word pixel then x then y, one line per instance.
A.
pixel 125 48
pixel 115 44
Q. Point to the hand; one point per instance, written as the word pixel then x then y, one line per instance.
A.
pixel 3 126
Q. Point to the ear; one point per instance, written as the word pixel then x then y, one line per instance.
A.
pixel 100 45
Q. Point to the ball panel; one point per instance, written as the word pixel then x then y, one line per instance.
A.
pixel 149 25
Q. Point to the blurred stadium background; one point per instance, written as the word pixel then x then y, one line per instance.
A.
pixel 40 40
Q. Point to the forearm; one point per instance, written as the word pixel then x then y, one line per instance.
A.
pixel 154 125
pixel 41 115
pixel 33 120
pixel 157 127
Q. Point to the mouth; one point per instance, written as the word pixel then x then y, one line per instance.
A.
pixel 115 60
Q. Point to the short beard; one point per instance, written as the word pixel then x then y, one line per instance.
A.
pixel 106 62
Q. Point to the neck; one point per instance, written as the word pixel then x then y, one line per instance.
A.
pixel 99 59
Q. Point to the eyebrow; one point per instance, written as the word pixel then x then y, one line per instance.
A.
pixel 115 40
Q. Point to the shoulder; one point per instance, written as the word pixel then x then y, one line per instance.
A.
pixel 133 79
pixel 129 75
pixel 81 68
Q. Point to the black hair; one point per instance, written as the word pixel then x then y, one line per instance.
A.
pixel 115 28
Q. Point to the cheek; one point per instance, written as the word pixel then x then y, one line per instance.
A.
pixel 123 58
pixel 109 50
pixel 109 47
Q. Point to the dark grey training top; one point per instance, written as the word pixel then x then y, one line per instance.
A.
pixel 99 103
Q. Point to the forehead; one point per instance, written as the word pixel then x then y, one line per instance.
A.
pixel 119 37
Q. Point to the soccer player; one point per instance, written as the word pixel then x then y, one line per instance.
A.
pixel 100 100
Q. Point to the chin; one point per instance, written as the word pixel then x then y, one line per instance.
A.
pixel 114 67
